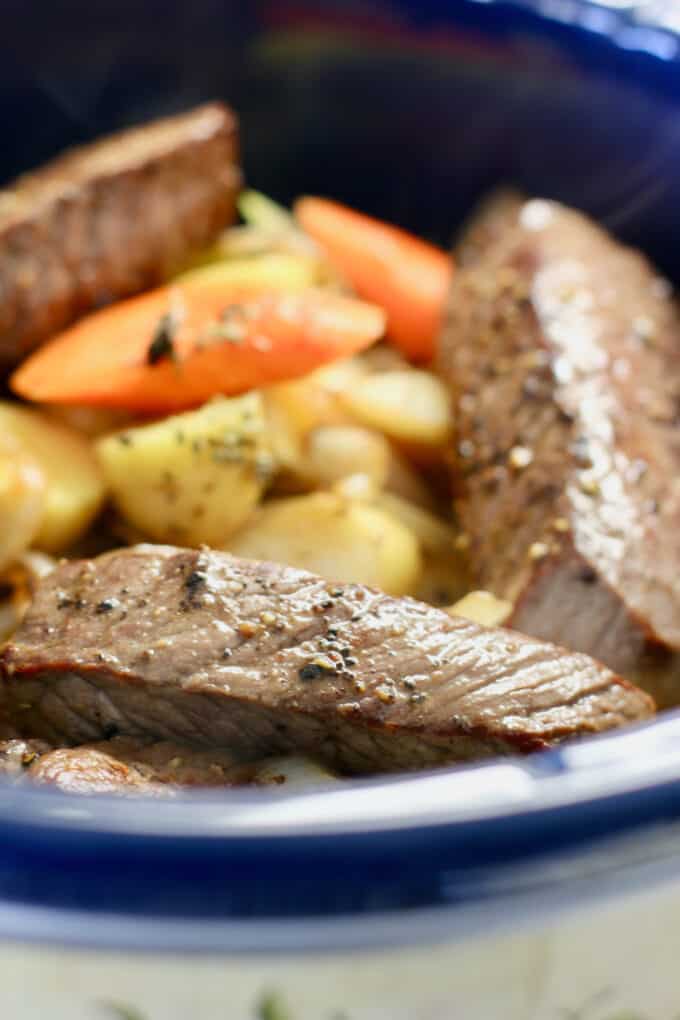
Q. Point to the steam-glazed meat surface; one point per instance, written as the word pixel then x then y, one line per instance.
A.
pixel 563 351
pixel 110 219
pixel 207 649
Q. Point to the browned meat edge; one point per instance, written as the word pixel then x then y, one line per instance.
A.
pixel 207 649
pixel 562 348
pixel 111 219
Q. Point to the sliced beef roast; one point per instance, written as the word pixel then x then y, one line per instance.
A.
pixel 207 649
pixel 111 219
pixel 563 350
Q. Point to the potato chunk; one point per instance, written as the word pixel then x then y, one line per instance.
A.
pixel 262 272
pixel 410 406
pixel 191 478
pixel 22 500
pixel 335 537
pixel 74 487
pixel 482 607
pixel 334 452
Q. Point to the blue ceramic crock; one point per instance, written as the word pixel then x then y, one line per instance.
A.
pixel 412 111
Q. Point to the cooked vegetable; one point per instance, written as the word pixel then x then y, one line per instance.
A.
pixel 314 400
pixel 434 534
pixel 482 607
pixel 177 346
pixel 406 276
pixel 22 499
pixel 333 452
pixel 292 771
pixel 295 408
pixel 194 477
pixel 18 583
pixel 339 539
pixel 270 230
pixel 74 488
pixel 259 210
pixel 411 406
pixel 261 272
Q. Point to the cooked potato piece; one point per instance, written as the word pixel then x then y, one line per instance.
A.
pixel 313 400
pixel 411 406
pixel 334 537
pixel 22 499
pixel 361 488
pixel 291 771
pixel 18 584
pixel 191 478
pixel 273 271
pixel 482 607
pixel 74 490
pixel 259 210
pixel 294 409
pixel 334 452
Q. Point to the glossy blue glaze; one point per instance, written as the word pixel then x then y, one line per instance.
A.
pixel 413 113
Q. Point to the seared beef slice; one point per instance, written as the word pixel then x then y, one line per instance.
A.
pixel 563 350
pixel 111 219
pixel 207 649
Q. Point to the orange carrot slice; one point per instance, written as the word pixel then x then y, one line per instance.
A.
pixel 406 276
pixel 175 347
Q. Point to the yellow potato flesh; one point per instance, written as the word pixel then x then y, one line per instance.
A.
pixel 334 452
pixel 74 487
pixel 482 607
pixel 191 478
pixel 22 500
pixel 410 406
pixel 336 538
pixel 261 272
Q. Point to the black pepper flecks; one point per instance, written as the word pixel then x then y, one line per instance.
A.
pixel 317 670
pixel 106 605
pixel 162 346
pixel 193 583
pixel 66 602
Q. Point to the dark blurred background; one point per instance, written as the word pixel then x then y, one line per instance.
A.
pixel 410 110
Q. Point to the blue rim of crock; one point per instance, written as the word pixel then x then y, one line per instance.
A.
pixel 476 816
